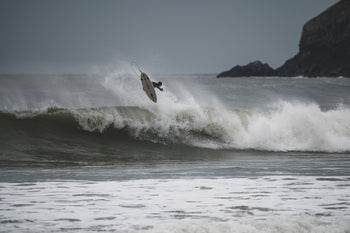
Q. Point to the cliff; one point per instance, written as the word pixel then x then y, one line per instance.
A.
pixel 324 47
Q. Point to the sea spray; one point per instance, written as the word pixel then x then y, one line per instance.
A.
pixel 190 111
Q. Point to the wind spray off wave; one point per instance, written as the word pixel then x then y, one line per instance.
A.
pixel 189 111
pixel 180 117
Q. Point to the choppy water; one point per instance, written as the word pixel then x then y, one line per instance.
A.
pixel 92 153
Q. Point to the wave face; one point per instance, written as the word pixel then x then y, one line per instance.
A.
pixel 284 127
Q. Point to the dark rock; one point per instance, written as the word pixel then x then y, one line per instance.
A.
pixel 256 68
pixel 324 48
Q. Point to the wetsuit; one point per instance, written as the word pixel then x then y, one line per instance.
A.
pixel 157 85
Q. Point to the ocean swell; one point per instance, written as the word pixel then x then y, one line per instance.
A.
pixel 284 127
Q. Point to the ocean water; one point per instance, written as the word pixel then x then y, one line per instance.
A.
pixel 91 153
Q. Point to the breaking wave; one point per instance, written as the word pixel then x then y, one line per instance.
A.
pixel 285 127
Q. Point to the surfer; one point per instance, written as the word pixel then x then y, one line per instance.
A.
pixel 158 85
pixel 148 86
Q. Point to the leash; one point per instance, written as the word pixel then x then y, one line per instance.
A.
pixel 133 65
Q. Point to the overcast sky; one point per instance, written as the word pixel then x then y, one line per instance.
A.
pixel 166 36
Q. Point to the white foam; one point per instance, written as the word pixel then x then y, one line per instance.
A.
pixel 300 127
pixel 260 204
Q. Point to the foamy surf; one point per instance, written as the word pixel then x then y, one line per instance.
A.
pixel 256 204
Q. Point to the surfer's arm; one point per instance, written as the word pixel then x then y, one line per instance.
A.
pixel 159 88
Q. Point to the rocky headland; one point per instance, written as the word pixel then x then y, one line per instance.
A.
pixel 256 68
pixel 324 49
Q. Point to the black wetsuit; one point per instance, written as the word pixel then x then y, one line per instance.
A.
pixel 157 86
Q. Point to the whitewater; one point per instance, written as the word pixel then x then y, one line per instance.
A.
pixel 287 127
pixel 86 153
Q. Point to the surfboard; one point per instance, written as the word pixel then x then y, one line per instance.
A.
pixel 148 87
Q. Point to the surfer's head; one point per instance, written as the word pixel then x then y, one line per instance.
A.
pixel 160 83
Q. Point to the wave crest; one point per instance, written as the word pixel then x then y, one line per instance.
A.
pixel 286 127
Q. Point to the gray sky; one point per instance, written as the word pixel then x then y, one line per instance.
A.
pixel 165 36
